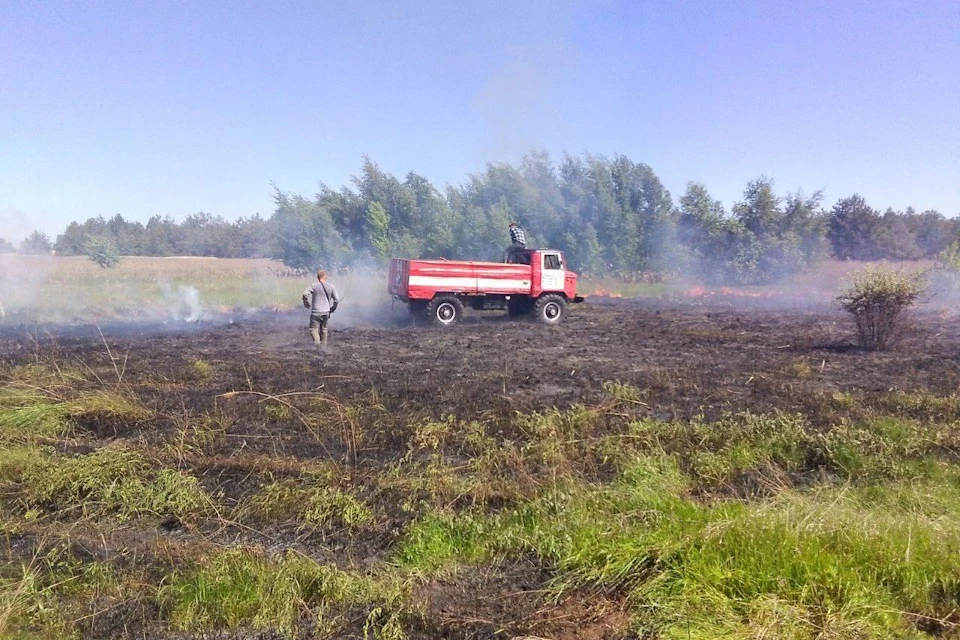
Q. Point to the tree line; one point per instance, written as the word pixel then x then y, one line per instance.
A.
pixel 610 215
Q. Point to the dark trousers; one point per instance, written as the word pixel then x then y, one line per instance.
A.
pixel 516 253
pixel 318 327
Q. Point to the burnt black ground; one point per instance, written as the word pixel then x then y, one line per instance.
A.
pixel 687 360
pixel 689 357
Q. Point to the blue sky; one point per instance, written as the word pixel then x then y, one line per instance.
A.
pixel 173 107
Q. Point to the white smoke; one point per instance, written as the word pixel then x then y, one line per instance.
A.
pixel 21 280
pixel 182 302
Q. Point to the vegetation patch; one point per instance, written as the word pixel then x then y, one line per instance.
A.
pixel 114 480
pixel 484 482
pixel 313 502
pixel 243 588
pixel 846 563
pixel 56 594
pixel 30 413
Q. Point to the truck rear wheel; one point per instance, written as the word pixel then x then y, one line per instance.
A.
pixel 444 311
pixel 550 308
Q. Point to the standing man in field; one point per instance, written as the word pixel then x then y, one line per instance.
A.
pixel 518 244
pixel 322 300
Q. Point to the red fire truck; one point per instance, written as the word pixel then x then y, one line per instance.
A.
pixel 440 289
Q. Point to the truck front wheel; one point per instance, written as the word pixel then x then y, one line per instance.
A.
pixel 444 311
pixel 550 308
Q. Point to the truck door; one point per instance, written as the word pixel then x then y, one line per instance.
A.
pixel 551 273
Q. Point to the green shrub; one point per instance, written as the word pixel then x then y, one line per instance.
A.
pixel 879 300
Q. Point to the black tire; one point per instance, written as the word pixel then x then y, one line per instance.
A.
pixel 444 311
pixel 550 308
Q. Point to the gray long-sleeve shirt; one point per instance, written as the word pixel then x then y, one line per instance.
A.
pixel 320 297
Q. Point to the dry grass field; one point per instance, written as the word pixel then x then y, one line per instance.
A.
pixel 74 289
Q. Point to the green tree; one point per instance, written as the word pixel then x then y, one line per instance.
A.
pixel 103 251
pixel 70 242
pixel 806 225
pixel 307 236
pixel 378 231
pixel 705 233
pixel 37 243
pixel 579 216
pixel 894 238
pixel 162 236
pixel 6 246
pixel 932 231
pixel 432 223
pixel 759 212
pixel 852 229
pixel 777 236
pixel 257 237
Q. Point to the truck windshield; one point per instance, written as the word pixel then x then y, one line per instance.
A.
pixel 551 261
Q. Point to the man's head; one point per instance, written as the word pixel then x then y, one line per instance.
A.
pixel 512 225
pixel 321 275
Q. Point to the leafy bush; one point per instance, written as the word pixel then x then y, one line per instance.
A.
pixel 879 300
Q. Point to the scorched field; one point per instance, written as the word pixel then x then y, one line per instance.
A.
pixel 643 470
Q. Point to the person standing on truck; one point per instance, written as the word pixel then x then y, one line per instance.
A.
pixel 516 252
pixel 322 300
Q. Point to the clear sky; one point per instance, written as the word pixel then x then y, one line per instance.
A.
pixel 172 107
